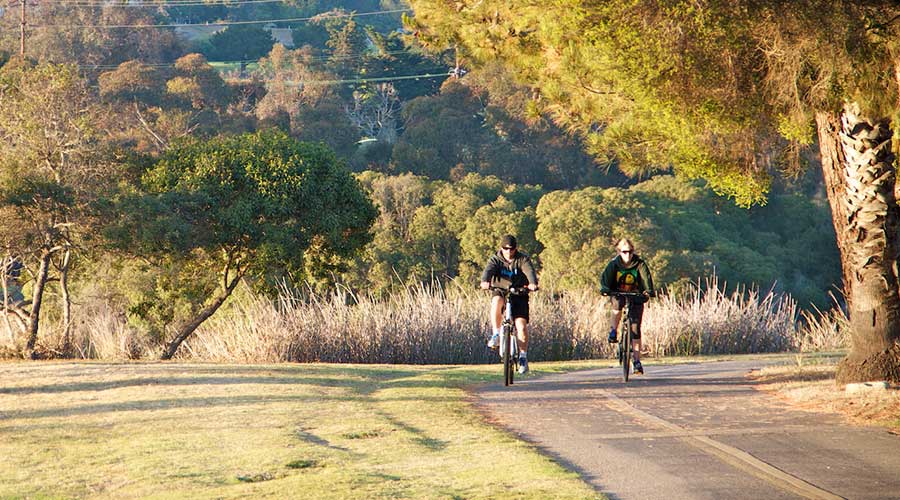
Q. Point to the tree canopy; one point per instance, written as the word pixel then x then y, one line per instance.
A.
pixel 251 205
pixel 631 78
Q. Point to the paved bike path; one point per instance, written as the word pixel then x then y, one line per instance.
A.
pixel 695 431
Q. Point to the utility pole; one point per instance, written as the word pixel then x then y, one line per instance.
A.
pixel 22 29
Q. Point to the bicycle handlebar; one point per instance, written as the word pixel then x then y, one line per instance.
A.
pixel 627 295
pixel 522 290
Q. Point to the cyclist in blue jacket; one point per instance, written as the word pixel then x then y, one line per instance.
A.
pixel 510 268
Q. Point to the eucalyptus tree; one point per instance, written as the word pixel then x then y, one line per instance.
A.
pixel 158 105
pixel 394 257
pixel 255 205
pixel 52 169
pixel 724 91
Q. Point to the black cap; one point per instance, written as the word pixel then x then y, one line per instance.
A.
pixel 508 241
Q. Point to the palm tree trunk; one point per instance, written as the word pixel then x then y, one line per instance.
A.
pixel 860 177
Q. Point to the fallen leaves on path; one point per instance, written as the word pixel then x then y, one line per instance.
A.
pixel 812 388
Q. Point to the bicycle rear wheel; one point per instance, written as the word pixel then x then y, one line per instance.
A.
pixel 625 343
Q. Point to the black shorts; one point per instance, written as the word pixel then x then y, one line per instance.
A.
pixel 519 305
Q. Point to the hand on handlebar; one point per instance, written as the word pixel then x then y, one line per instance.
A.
pixel 485 285
pixel 533 287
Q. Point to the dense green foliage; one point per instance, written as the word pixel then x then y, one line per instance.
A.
pixel 429 230
pixel 262 206
pixel 562 127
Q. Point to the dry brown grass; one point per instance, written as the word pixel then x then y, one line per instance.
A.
pixel 809 384
pixel 439 325
pixel 707 320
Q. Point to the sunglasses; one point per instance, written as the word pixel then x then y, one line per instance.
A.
pixel 509 248
pixel 626 251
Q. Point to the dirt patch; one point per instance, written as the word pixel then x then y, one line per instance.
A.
pixel 812 388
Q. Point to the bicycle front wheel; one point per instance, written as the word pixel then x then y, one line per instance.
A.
pixel 507 354
pixel 625 343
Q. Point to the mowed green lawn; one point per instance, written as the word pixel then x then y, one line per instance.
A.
pixel 166 430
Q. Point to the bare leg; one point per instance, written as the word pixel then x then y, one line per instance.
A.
pixel 497 305
pixel 636 343
pixel 617 316
pixel 522 333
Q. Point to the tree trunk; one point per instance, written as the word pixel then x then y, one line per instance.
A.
pixel 66 302
pixel 187 329
pixel 40 282
pixel 858 165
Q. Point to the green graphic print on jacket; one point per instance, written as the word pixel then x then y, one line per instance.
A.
pixel 627 280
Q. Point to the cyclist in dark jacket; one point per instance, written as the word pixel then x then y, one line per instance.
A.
pixel 510 268
pixel 627 272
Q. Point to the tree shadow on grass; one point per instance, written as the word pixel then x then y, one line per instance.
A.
pixel 360 383
pixel 179 403
pixel 419 436
pixel 311 438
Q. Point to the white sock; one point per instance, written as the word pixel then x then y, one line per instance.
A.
pixel 523 354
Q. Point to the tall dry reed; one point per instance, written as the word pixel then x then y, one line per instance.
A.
pixel 706 320
pixel 824 331
pixel 434 324
pixel 420 325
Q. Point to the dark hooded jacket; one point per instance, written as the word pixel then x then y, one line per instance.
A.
pixel 503 273
pixel 633 277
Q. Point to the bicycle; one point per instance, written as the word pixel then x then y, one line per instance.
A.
pixel 509 349
pixel 624 351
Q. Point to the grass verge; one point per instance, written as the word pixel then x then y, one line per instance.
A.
pixel 164 430
pixel 807 382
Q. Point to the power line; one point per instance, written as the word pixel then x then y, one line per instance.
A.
pixel 338 82
pixel 228 23
pixel 311 59
pixel 343 82
pixel 162 3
